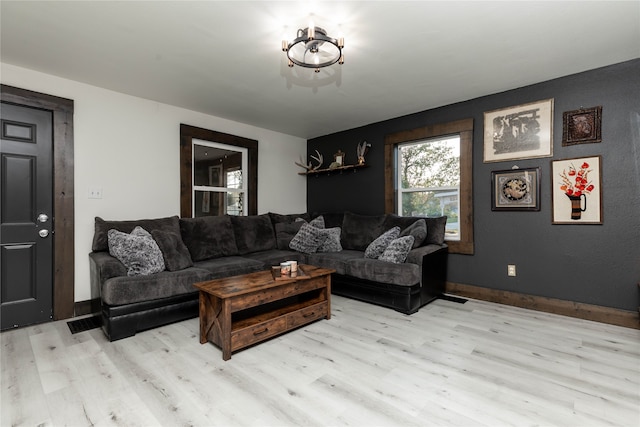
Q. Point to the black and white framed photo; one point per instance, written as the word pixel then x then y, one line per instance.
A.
pixel 515 190
pixel 521 132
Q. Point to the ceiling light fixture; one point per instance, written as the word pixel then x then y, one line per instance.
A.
pixel 312 48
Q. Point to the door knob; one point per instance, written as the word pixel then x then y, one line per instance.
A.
pixel 43 233
pixel 43 217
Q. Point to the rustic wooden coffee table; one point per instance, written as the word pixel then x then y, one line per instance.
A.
pixel 239 311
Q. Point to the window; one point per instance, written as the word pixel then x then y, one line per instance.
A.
pixel 428 172
pixel 218 173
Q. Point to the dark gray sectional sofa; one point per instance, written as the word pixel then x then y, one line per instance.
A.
pixel 205 248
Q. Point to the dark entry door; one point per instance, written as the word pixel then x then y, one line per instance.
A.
pixel 26 206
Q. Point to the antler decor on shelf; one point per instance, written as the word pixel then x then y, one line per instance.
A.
pixel 310 166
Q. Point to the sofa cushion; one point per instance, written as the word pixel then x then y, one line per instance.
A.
pixel 102 227
pixel 126 290
pixel 384 272
pixel 274 257
pixel 308 239
pixel 418 230
pixel 397 250
pixel 137 251
pixel 229 266
pixel 253 233
pixel 337 261
pixel 208 237
pixel 285 233
pixel 175 253
pixel 436 228
pixel 277 218
pixel 377 247
pixel 360 230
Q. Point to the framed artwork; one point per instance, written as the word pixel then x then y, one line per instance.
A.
pixel 576 191
pixel 515 190
pixel 339 158
pixel 521 132
pixel 582 126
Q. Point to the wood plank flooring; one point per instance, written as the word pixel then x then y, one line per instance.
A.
pixel 473 364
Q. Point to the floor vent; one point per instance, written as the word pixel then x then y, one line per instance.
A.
pixel 84 324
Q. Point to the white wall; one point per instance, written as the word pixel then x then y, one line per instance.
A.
pixel 129 147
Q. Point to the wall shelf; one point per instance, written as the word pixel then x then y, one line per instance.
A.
pixel 334 171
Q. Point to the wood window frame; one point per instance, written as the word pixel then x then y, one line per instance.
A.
pixel 187 135
pixel 463 128
pixel 63 192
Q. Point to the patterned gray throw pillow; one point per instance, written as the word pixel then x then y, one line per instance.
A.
pixel 397 250
pixel 317 222
pixel 377 247
pixel 308 239
pixel 137 251
pixel 332 242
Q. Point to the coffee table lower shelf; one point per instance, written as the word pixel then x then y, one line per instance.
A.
pixel 241 311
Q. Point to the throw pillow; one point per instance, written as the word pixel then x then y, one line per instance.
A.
pixel 397 250
pixel 102 227
pixel 253 233
pixel 360 230
pixel 377 247
pixel 332 242
pixel 418 230
pixel 208 237
pixel 174 251
pixel 308 239
pixel 285 232
pixel 137 251
pixel 317 222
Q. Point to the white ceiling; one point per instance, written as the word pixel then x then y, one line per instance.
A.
pixel 224 58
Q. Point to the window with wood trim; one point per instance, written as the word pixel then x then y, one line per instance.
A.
pixel 218 173
pixel 404 198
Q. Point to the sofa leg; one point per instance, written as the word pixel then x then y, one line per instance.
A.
pixel 116 330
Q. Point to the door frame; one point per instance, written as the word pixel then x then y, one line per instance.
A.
pixel 63 191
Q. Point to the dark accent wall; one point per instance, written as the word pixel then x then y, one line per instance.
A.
pixel 594 264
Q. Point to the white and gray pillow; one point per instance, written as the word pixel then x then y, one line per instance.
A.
pixel 377 247
pixel 308 239
pixel 138 251
pixel 332 242
pixel 397 250
pixel 317 222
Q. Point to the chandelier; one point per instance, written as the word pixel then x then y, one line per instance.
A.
pixel 312 48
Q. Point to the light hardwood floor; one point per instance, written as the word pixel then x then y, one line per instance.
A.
pixel 473 364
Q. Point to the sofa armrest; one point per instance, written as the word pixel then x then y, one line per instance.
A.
pixel 434 273
pixel 103 266
pixel 416 256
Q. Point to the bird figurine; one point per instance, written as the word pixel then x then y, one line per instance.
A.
pixel 362 150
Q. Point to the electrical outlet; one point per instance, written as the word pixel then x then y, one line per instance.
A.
pixel 95 193
pixel 511 270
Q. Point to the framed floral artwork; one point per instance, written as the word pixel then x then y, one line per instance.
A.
pixel 515 190
pixel 582 126
pixel 576 189
pixel 521 132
